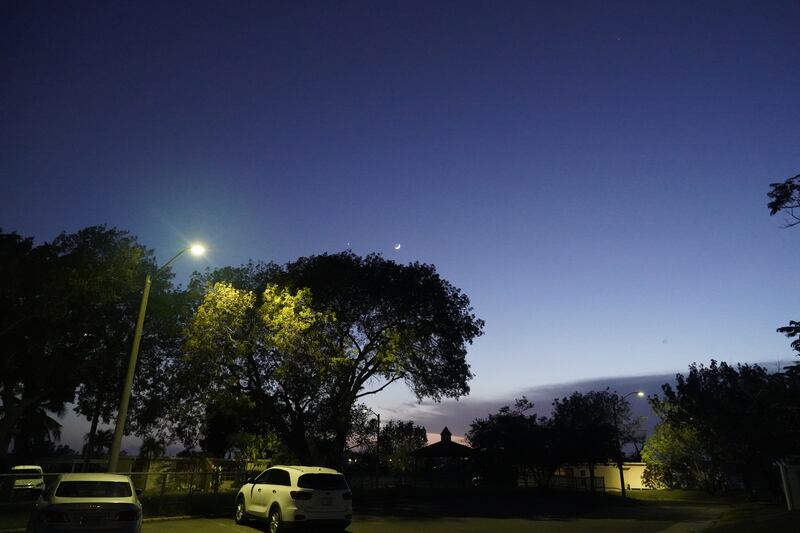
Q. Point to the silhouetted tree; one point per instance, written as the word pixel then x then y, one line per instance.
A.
pixel 398 439
pixel 66 314
pixel 152 448
pixel 586 427
pixel 785 197
pixel 304 342
pixel 36 433
pixel 744 418
pixel 100 442
pixel 114 262
pixel 512 442
pixel 33 325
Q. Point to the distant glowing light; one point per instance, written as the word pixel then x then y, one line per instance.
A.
pixel 640 394
pixel 398 246
pixel 197 249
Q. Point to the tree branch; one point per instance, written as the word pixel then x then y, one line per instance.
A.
pixel 376 391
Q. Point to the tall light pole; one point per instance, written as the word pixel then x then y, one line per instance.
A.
pixel 377 445
pixel 614 407
pixel 122 413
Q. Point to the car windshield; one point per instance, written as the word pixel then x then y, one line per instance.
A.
pixel 28 473
pixel 93 489
pixel 322 482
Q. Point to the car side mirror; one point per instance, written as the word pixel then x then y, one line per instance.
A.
pixel 139 492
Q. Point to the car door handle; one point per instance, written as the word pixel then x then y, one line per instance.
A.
pixel 259 490
pixel 274 491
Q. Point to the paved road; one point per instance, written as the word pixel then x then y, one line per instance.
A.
pixel 373 524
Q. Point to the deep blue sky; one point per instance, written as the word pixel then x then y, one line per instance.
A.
pixel 592 174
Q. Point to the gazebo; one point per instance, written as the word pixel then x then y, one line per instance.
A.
pixel 444 463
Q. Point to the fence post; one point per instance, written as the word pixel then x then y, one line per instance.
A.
pixel 189 498
pixel 163 488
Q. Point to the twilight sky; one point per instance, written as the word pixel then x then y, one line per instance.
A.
pixel 592 174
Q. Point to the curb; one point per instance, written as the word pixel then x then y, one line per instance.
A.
pixel 144 520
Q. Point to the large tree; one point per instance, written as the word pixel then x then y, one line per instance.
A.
pixel 512 442
pixel 675 458
pixel 593 427
pixel 66 310
pixel 33 373
pixel 744 417
pixel 397 440
pixel 305 341
pixel 113 266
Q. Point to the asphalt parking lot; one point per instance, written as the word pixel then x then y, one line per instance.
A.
pixel 374 524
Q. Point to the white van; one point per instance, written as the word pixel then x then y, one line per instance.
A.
pixel 28 478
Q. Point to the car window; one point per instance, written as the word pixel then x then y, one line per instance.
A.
pixel 322 482
pixel 27 473
pixel 284 478
pixel 93 489
pixel 269 477
pixel 276 476
pixel 262 477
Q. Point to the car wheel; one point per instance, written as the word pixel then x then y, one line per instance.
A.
pixel 240 514
pixel 275 521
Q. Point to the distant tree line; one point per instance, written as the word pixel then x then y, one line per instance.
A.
pixel 722 422
pixel 721 426
pixel 583 429
pixel 257 359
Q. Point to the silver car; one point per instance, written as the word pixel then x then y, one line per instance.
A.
pixel 88 502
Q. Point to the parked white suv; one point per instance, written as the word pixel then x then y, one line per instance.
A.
pixel 28 478
pixel 296 495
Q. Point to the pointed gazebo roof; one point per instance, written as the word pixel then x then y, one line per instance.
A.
pixel 444 448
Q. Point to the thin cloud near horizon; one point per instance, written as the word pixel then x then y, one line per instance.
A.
pixel 457 415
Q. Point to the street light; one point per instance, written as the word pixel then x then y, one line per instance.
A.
pixel 617 399
pixel 377 445
pixel 113 459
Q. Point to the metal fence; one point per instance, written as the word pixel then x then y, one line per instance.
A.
pixel 162 494
pixel 151 483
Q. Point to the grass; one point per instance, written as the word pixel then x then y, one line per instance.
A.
pixel 506 525
pixel 697 496
pixel 513 503
pixel 374 524
pixel 758 517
